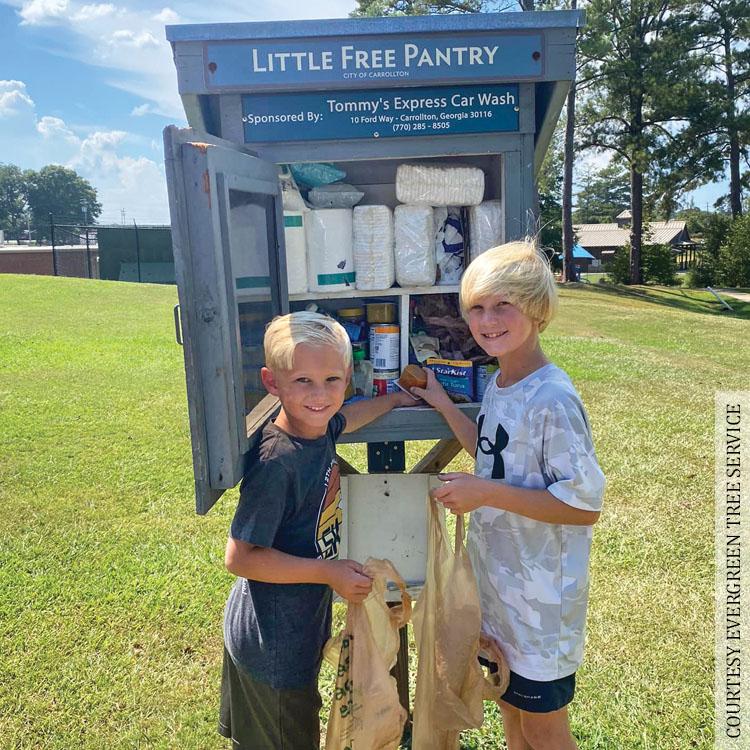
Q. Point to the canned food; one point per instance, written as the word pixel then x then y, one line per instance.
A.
pixel 384 382
pixel 381 312
pixel 385 344
pixel 356 314
pixel 485 373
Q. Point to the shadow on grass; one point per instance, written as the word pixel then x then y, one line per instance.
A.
pixel 689 300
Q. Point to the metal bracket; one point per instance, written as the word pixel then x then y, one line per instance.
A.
pixel 383 458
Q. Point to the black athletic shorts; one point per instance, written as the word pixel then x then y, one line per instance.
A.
pixel 534 696
pixel 256 716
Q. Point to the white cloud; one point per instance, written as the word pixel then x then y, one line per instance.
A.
pixel 137 52
pixel 141 110
pixel 166 16
pixel 136 184
pixel 108 159
pixel 43 12
pixel 14 99
pixel 95 11
pixel 54 127
pixel 128 41
pixel 140 39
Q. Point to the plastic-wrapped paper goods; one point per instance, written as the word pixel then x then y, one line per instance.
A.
pixel 449 245
pixel 337 195
pixel 290 195
pixel 435 185
pixel 415 246
pixel 330 258
pixel 296 251
pixel 486 227
pixel 374 261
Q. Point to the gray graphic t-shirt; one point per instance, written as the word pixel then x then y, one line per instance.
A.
pixel 533 576
pixel 289 500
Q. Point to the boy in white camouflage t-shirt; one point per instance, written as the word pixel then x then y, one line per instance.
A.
pixel 534 498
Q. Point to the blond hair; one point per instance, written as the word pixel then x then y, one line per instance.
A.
pixel 285 332
pixel 519 272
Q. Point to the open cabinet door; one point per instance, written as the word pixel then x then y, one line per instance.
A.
pixel 227 236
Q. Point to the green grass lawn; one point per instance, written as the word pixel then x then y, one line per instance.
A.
pixel 112 589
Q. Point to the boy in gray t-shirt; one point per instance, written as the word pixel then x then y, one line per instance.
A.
pixel 283 542
pixel 535 495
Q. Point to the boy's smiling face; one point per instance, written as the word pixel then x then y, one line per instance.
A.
pixel 311 392
pixel 500 328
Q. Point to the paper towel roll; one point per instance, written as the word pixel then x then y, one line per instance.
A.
pixel 296 251
pixel 373 247
pixel 330 260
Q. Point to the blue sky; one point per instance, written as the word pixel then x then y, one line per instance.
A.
pixel 91 85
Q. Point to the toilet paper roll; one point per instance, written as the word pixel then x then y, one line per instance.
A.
pixel 330 259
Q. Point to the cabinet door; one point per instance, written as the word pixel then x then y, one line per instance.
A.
pixel 227 235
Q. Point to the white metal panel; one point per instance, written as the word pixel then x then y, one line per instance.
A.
pixel 385 516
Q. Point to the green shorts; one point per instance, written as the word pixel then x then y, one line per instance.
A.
pixel 256 716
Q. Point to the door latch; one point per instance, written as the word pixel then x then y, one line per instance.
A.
pixel 177 325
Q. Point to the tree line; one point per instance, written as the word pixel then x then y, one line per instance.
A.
pixel 661 85
pixel 28 197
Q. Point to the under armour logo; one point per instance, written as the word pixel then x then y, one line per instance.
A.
pixel 486 446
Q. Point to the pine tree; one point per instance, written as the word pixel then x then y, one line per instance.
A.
pixel 641 85
pixel 603 195
pixel 724 30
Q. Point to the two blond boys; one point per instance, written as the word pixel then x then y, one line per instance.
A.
pixel 534 497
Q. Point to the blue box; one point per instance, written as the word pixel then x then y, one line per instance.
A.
pixel 456 376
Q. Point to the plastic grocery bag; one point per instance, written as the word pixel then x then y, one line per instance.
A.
pixel 366 713
pixel 451 686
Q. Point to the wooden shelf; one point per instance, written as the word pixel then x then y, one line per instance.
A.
pixel 407 423
pixel 250 295
pixel 394 291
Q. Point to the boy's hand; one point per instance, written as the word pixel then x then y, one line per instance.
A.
pixel 434 394
pixel 461 492
pixel 348 579
pixel 404 399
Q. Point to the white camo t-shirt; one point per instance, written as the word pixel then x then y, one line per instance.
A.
pixel 533 576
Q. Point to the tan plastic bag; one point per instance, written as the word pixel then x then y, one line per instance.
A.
pixel 366 713
pixel 451 686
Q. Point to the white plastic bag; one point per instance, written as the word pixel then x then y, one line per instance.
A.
pixel 337 195
pixel 415 246
pixel 291 197
pixel 485 227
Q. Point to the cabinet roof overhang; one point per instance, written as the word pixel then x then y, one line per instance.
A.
pixel 549 35
pixel 542 20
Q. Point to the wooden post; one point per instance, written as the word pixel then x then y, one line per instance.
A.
pixel 345 468
pixel 401 673
pixel 442 453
